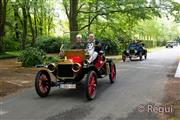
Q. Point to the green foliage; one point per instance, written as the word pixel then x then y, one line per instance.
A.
pixel 11 54
pixel 113 48
pixel 49 44
pixel 11 45
pixel 31 57
pixel 156 29
pixel 110 19
pixel 151 44
pixel 51 59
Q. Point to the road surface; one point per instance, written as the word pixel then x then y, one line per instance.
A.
pixel 138 83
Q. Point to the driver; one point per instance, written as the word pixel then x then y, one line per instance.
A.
pixel 92 47
pixel 79 44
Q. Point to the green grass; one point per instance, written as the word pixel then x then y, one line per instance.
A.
pixel 10 54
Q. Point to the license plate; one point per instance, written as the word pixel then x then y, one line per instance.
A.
pixel 68 86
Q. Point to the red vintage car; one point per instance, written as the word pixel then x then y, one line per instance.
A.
pixel 70 70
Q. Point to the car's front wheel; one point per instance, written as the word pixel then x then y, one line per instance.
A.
pixel 43 83
pixel 145 56
pixel 91 85
pixel 130 58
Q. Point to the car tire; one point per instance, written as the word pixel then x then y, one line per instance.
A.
pixel 43 83
pixel 145 56
pixel 130 58
pixel 140 56
pixel 91 85
pixel 112 75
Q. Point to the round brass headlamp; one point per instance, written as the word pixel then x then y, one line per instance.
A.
pixel 51 67
pixel 76 67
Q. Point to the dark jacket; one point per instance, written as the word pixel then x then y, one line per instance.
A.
pixel 78 46
pixel 98 46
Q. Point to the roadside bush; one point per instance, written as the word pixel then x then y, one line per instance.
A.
pixel 50 59
pixel 51 44
pixel 11 45
pixel 31 57
pixel 113 48
pixel 155 43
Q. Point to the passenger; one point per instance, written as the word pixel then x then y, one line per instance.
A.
pixel 93 47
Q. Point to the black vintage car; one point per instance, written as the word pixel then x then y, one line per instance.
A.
pixel 169 45
pixel 134 50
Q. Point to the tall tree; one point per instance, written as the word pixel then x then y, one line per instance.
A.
pixel 24 35
pixel 35 17
pixel 31 24
pixel 71 8
pixel 16 19
pixel 3 6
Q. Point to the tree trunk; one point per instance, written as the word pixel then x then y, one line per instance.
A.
pixel 24 36
pixel 73 23
pixel 31 26
pixel 89 17
pixel 35 19
pixel 16 24
pixel 3 4
pixel 45 23
pixel 41 18
pixel 97 5
pixel 50 20
pixel 1 45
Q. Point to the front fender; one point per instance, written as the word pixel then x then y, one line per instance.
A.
pixel 88 68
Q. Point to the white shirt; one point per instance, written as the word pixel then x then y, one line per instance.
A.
pixel 90 47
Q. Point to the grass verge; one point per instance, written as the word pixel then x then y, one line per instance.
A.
pixel 10 54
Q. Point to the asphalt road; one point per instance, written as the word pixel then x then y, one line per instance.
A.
pixel 137 83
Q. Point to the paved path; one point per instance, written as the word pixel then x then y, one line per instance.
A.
pixel 138 82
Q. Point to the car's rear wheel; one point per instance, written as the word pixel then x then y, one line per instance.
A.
pixel 91 85
pixel 43 83
pixel 112 75
pixel 145 56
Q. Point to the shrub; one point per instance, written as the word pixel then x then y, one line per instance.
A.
pixel 155 43
pixel 11 45
pixel 50 44
pixel 50 59
pixel 31 57
pixel 113 48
